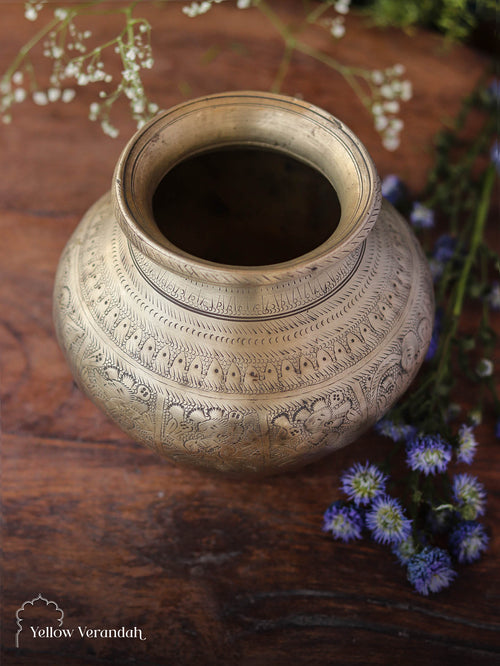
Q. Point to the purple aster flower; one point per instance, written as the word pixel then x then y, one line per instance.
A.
pixel 495 155
pixel 397 432
pixel 428 454
pixel 363 483
pixel 467 444
pixel 387 522
pixel 484 368
pixel 493 296
pixel 430 570
pixel 421 217
pixel 345 522
pixel 392 189
pixel 494 90
pixel 469 495
pixel 436 333
pixel 468 541
pixel 444 248
pixel 436 268
pixel 433 344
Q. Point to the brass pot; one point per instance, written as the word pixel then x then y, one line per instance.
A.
pixel 264 363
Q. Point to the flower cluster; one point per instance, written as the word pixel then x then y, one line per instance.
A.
pixel 428 454
pixel 369 507
pixel 467 444
pixel 32 8
pixel 199 8
pixel 430 570
pixel 441 533
pixel 442 253
pixel 344 521
pixel 336 24
pixel 393 189
pixel 74 61
pixel 421 217
pixel 77 61
pixel 388 90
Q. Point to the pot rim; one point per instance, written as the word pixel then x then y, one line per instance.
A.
pixel 285 124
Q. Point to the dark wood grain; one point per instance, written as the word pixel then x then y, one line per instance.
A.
pixel 213 571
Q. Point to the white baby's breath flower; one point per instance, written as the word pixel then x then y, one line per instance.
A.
pixel 61 13
pixel 138 106
pixel 19 95
pixel 396 124
pixel 377 77
pixel 196 9
pixel 40 98
pixel 108 129
pixel 243 4
pixel 342 6
pixel 391 107
pixel 381 122
pixel 53 94
pixel 31 9
pixel 387 91
pixel 337 28
pixel 71 69
pixel 94 111
pixel 17 78
pixel 406 91
pixel 390 142
pixel 68 94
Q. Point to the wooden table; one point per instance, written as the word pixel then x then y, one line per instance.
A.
pixel 212 571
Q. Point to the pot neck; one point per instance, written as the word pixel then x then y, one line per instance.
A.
pixel 251 120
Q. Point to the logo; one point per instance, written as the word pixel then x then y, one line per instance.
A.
pixel 43 619
pixel 43 600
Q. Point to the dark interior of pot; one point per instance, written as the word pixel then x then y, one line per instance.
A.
pixel 245 207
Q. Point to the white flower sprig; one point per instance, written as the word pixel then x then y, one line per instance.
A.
pixel 74 61
pixel 381 91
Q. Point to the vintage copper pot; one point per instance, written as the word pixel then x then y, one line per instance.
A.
pixel 287 337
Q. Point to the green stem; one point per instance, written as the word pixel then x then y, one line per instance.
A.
pixel 282 69
pixel 317 13
pixel 346 72
pixel 477 236
pixel 274 19
pixel 456 304
pixel 24 51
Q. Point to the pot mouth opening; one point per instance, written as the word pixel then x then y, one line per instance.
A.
pixel 245 206
pixel 245 187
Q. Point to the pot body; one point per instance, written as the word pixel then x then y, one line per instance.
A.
pixel 249 370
